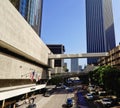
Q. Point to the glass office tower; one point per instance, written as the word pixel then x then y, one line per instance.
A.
pixel 99 27
pixel 74 65
pixel 31 10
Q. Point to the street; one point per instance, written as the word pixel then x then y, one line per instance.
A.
pixel 57 99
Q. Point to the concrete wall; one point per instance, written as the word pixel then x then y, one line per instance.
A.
pixel 14 68
pixel 57 70
pixel 18 36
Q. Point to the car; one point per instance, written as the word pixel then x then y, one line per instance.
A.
pixel 69 89
pixel 48 92
pixel 102 93
pixel 91 87
pixel 43 90
pixel 63 86
pixel 31 106
pixel 106 102
pixel 93 92
pixel 89 96
pixel 69 102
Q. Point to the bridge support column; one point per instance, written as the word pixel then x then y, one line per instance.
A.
pixel 26 95
pixel 14 106
pixel 49 73
pixel 3 104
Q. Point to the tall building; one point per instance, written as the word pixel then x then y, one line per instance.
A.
pixel 113 58
pixel 24 66
pixel 99 27
pixel 74 65
pixel 57 49
pixel 31 10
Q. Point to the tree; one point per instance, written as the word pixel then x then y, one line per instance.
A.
pixel 107 77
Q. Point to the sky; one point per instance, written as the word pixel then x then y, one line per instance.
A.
pixel 64 22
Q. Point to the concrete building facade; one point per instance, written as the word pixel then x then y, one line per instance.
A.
pixel 99 27
pixel 23 55
pixel 113 59
pixel 58 64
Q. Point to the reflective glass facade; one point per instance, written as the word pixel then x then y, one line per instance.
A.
pixel 99 27
pixel 31 10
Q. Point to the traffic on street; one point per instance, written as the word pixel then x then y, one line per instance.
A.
pixel 72 96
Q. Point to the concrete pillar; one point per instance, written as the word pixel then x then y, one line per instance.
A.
pixel 14 106
pixel 49 73
pixel 3 104
pixel 26 95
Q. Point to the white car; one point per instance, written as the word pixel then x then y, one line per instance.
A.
pixel 91 87
pixel 102 93
pixel 89 96
pixel 93 92
pixel 106 101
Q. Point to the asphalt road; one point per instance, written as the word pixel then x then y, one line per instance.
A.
pixel 56 100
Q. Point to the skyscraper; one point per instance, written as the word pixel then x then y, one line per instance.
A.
pixel 74 65
pixel 31 10
pixel 99 27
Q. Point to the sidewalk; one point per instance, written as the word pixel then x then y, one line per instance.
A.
pixel 25 103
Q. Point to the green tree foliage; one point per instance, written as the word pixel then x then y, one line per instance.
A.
pixel 56 80
pixel 107 77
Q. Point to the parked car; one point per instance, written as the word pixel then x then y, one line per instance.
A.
pixel 106 102
pixel 93 92
pixel 89 96
pixel 43 90
pixel 91 87
pixel 63 86
pixel 102 93
pixel 48 92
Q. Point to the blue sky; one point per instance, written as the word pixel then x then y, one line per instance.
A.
pixel 63 22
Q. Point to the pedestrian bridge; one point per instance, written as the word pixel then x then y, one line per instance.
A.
pixel 82 55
